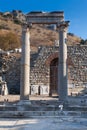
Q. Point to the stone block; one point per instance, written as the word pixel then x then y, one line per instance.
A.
pixel 44 90
pixel 34 89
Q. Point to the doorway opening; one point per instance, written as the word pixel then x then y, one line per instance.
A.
pixel 54 77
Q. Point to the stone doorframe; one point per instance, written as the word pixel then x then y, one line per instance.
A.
pixel 56 56
pixel 48 63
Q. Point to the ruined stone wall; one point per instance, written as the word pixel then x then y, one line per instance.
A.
pixel 78 72
pixel 40 70
pixel 12 76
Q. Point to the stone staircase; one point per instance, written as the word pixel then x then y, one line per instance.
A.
pixel 41 109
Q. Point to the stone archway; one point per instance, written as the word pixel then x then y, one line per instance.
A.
pixel 53 62
pixel 54 77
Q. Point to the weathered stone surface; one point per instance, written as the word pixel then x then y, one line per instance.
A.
pixel 25 64
pixel 40 68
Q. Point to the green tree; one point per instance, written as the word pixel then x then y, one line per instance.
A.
pixel 86 41
pixel 82 42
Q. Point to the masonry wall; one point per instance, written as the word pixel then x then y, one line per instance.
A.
pixel 12 76
pixel 40 70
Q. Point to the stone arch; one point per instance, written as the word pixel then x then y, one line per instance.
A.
pixel 54 77
pixel 50 58
pixel 52 63
pixel 56 55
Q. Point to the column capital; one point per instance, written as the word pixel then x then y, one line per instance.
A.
pixel 62 26
pixel 26 27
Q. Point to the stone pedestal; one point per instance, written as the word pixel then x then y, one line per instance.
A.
pixel 25 65
pixel 62 70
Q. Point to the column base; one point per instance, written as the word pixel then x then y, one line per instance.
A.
pixel 23 105
pixel 24 102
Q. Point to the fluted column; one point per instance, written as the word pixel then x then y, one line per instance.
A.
pixel 62 67
pixel 25 65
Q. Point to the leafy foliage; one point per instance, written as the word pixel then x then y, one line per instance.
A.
pixel 71 34
pixel 83 42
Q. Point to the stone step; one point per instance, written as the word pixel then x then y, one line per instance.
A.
pixel 41 108
pixel 28 108
pixel 30 114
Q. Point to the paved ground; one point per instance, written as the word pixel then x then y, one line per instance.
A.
pixel 62 123
pixel 13 98
pixel 72 100
pixel 51 123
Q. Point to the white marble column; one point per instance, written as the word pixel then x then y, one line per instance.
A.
pixel 62 67
pixel 25 65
